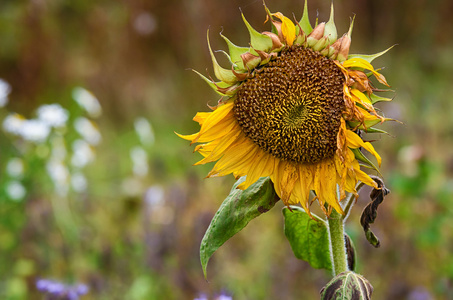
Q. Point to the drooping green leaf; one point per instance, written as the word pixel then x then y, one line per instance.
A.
pixel 347 285
pixel 309 239
pixel 238 209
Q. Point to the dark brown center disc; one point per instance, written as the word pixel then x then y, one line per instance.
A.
pixel 292 107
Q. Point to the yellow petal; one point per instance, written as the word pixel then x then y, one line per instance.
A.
pixel 362 176
pixel 255 171
pixel 361 63
pixel 223 127
pixel 288 28
pixel 189 137
pixel 362 99
pixel 213 151
pixel 302 186
pixel 284 177
pixel 358 63
pixel 354 142
pixel 327 185
pixel 236 156
pixel 217 115
pixel 200 117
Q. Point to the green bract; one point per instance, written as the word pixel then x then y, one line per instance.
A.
pixel 267 45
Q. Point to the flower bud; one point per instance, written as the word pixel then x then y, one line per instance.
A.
pixel 347 285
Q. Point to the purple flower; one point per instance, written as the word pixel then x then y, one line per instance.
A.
pixel 201 297
pixel 221 296
pixel 60 291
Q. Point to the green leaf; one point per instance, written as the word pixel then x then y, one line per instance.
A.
pixel 347 285
pixel 308 238
pixel 238 209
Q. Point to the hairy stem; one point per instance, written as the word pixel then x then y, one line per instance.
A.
pixel 337 243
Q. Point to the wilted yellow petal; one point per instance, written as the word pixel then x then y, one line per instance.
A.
pixel 354 142
pixel 288 28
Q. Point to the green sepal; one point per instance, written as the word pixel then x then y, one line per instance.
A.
pixel 369 57
pixel 367 124
pixel 321 44
pixel 235 53
pixel 227 56
pixel 257 40
pixel 214 85
pixel 347 285
pixel 362 158
pixel 308 237
pixel 253 63
pixel 374 130
pixel 300 39
pixel 375 99
pixel 305 22
pixel 223 74
pixel 311 41
pixel 330 31
pixel 238 209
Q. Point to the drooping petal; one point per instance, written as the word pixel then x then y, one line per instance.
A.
pixel 284 178
pixel 326 185
pixel 354 141
pixel 256 170
pixel 358 62
pixel 288 28
pixel 220 148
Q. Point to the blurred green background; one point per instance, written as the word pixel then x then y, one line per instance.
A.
pixel 104 194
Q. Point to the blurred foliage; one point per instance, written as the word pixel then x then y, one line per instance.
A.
pixel 134 230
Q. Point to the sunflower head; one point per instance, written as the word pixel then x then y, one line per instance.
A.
pixel 294 106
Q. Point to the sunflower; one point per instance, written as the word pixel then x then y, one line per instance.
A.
pixel 294 105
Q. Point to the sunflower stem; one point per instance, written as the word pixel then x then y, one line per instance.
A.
pixel 337 243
